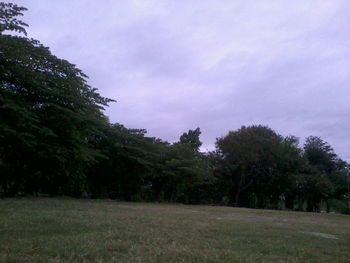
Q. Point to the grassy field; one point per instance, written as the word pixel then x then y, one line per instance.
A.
pixel 54 230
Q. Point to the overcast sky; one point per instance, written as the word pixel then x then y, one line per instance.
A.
pixel 181 64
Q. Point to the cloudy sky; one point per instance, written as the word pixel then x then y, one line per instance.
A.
pixel 181 64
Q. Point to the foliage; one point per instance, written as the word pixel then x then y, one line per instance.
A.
pixel 8 18
pixel 192 139
pixel 56 140
pixel 48 116
pixel 254 158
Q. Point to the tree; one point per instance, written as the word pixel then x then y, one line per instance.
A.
pixel 245 153
pixel 257 159
pixel 126 165
pixel 328 173
pixel 48 115
pixel 192 138
pixel 320 154
pixel 180 171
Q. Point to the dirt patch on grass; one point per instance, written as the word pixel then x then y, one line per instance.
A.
pixel 318 234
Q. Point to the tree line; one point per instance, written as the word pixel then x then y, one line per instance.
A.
pixel 56 140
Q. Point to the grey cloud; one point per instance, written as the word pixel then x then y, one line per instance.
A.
pixel 176 65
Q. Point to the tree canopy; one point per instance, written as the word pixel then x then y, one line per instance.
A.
pixel 48 112
pixel 56 140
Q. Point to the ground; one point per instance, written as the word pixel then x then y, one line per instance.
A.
pixel 72 230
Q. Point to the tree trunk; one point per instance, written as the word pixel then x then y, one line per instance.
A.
pixel 239 190
pixel 328 206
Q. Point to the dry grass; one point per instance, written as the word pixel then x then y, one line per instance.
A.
pixel 54 230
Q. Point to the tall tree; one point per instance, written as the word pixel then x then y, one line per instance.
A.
pixel 252 159
pixel 327 178
pixel 48 112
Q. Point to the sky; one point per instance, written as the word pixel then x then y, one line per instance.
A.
pixel 181 64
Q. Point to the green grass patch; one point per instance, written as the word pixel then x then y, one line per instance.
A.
pixel 56 230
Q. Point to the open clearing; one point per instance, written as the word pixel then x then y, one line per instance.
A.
pixel 71 230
